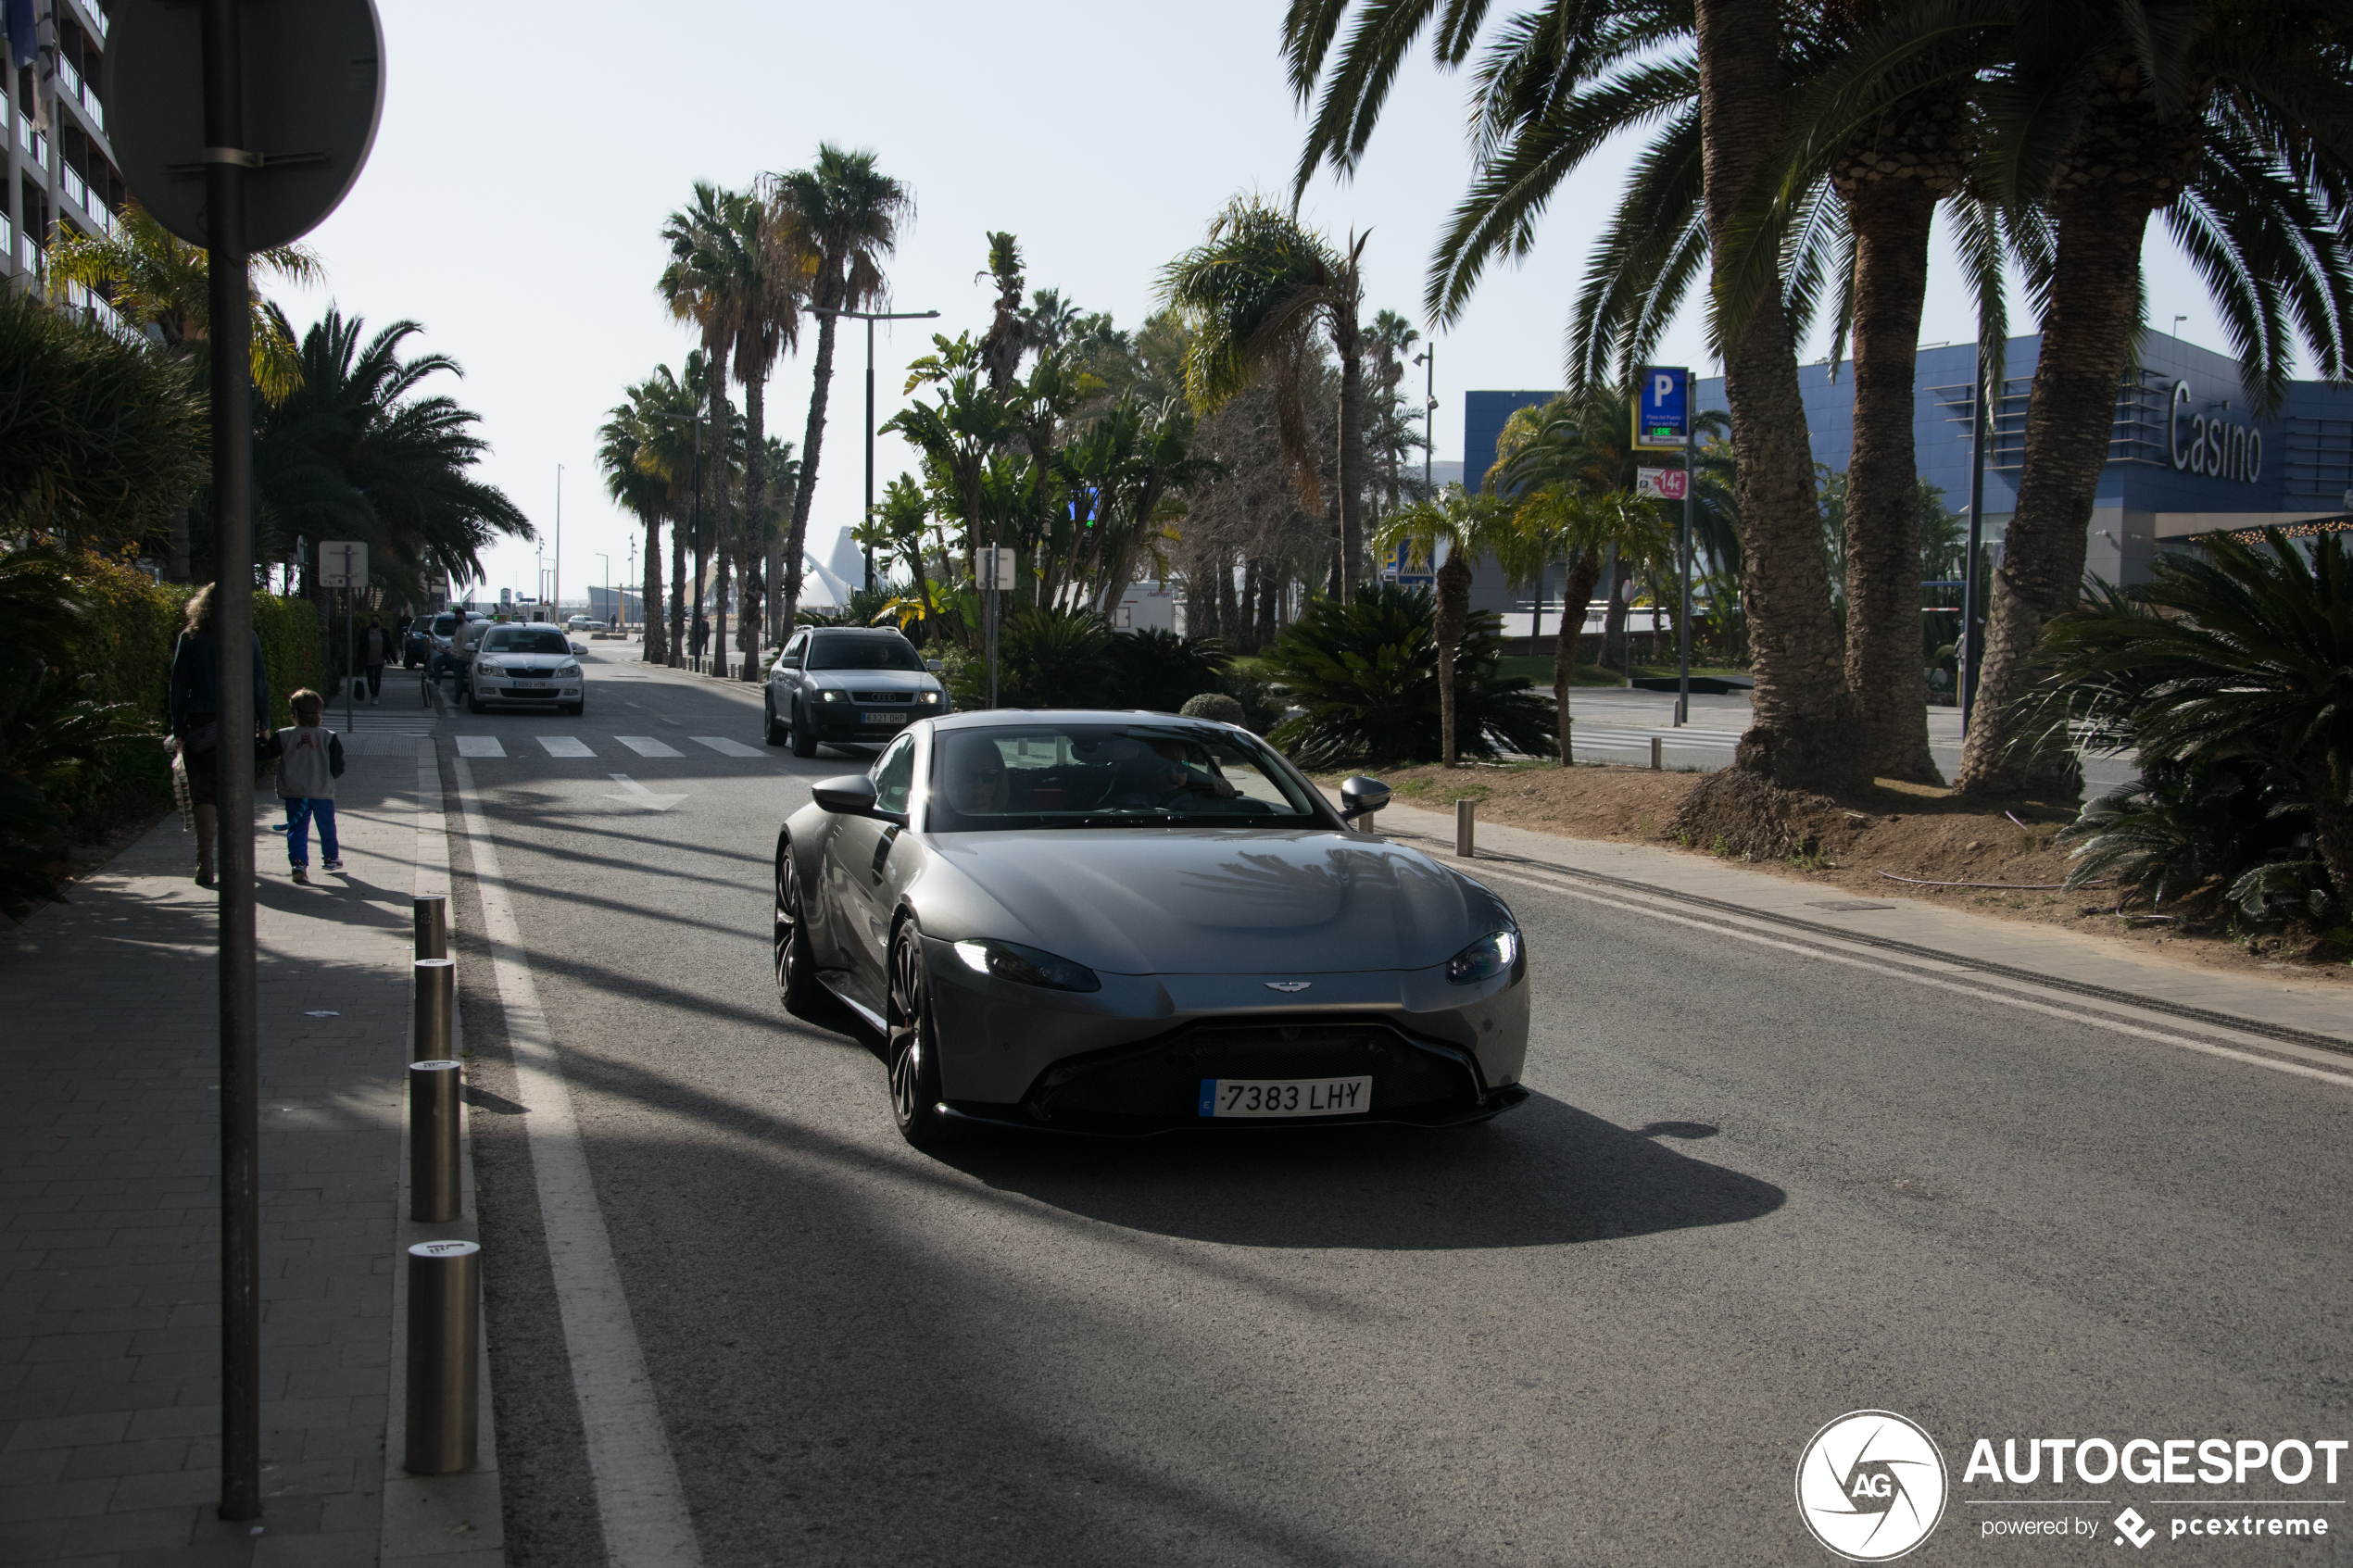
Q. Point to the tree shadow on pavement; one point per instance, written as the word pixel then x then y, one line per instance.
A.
pixel 1543 1174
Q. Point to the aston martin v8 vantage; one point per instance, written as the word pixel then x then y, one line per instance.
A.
pixel 1105 922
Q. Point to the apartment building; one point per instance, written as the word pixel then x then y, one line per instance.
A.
pixel 63 178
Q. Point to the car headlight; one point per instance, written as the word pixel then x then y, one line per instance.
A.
pixel 1026 966
pixel 929 699
pixel 489 667
pixel 1485 959
pixel 569 673
pixel 830 695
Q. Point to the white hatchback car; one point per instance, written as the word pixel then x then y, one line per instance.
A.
pixel 529 665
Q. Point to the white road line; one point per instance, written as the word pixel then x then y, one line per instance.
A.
pixel 565 745
pixel 640 1502
pixel 646 746
pixel 726 747
pixel 1977 989
pixel 480 745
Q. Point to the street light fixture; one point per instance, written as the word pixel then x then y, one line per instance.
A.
pixel 869 318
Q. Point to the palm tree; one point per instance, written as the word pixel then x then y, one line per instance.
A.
pixel 670 443
pixel 1466 525
pixel 2225 117
pixel 842 217
pixel 2255 660
pixel 621 448
pixel 1255 296
pixel 1392 433
pixel 1561 81
pixel 705 284
pixel 151 275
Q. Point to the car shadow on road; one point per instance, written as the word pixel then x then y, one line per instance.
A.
pixel 1544 1174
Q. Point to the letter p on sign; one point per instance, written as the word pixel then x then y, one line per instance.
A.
pixel 1662 388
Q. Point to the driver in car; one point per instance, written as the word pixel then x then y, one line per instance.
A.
pixel 977 784
pixel 1163 772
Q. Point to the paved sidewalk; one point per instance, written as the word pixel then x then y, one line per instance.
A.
pixel 109 1336
pixel 2064 957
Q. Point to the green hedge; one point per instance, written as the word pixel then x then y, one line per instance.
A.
pixel 126 642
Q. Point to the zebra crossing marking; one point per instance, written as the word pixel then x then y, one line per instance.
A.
pixel 646 746
pixel 565 745
pixel 480 745
pixel 726 747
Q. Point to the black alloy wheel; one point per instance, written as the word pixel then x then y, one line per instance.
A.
pixel 770 730
pixel 804 738
pixel 796 955
pixel 912 1049
pixel 474 702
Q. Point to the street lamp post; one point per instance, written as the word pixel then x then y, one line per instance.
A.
pixel 615 612
pixel 869 318
pixel 1427 359
pixel 555 588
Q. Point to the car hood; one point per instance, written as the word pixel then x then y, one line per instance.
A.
pixel 874 680
pixel 1210 901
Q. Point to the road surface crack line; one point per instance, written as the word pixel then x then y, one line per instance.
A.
pixel 640 1502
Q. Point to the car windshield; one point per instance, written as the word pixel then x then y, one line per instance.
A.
pixel 518 639
pixel 1110 775
pixel 443 625
pixel 863 653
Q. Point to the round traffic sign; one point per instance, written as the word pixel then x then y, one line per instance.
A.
pixel 314 86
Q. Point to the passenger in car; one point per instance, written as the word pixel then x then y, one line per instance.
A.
pixel 977 784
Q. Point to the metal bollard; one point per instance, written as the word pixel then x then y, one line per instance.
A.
pixel 1466 827
pixel 432 913
pixel 1654 762
pixel 433 1033
pixel 434 1193
pixel 444 1340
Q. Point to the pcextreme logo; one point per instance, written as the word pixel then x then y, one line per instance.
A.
pixel 1871 1486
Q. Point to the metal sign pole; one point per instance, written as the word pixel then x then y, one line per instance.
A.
pixel 231 329
pixel 1684 616
pixel 350 648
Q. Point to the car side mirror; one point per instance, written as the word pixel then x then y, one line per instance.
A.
pixel 853 795
pixel 935 665
pixel 1359 798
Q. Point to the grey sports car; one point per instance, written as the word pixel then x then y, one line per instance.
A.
pixel 1117 924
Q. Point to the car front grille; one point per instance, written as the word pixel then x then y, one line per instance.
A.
pixel 871 698
pixel 1160 1080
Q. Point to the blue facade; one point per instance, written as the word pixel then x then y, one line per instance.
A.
pixel 2188 455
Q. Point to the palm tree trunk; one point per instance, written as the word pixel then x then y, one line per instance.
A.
pixel 1228 619
pixel 811 439
pixel 179 526
pixel 719 605
pixel 678 634
pixel 1246 627
pixel 1352 457
pixel 1884 675
pixel 1621 572
pixel 1800 733
pixel 1269 623
pixel 651 606
pixel 755 551
pixel 2087 335
pixel 1576 593
pixel 1453 619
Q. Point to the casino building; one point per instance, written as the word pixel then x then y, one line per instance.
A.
pixel 2186 456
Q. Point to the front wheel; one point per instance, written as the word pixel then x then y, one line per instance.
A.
pixel 473 703
pixel 771 732
pixel 796 955
pixel 914 1048
pixel 804 739
pixel 575 709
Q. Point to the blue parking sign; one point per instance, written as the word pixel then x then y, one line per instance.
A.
pixel 1662 408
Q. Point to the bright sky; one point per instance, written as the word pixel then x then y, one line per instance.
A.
pixel 514 201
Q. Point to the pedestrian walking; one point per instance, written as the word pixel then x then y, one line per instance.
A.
pixel 375 652
pixel 193 702
pixel 309 761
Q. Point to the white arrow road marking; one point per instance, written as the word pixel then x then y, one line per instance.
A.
pixel 640 796
pixel 726 747
pixel 565 745
pixel 480 745
pixel 646 746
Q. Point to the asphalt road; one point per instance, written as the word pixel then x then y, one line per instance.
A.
pixel 1755 1188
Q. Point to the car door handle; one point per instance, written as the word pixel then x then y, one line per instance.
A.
pixel 882 849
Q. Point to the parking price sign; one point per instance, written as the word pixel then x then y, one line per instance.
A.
pixel 1663 408
pixel 1661 484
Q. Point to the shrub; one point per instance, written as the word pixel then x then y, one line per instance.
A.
pixel 1215 705
pixel 1366 674
pixel 1262 701
pixel 1045 659
pixel 1162 670
pixel 2234 827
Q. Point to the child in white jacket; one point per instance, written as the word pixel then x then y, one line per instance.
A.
pixel 309 761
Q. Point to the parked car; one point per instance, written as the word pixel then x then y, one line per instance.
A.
pixel 532 664
pixel 1108 923
pixel 847 684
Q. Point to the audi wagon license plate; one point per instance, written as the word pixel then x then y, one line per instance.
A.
pixel 873 718
pixel 1286 1097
